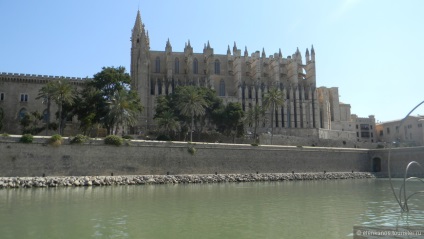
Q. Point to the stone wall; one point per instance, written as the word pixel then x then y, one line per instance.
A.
pixel 399 160
pixel 156 158
pixel 174 158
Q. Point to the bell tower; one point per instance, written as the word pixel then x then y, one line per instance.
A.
pixel 140 65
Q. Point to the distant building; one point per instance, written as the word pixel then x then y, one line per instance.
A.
pixel 18 95
pixel 410 131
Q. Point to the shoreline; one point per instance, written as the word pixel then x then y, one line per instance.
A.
pixel 94 181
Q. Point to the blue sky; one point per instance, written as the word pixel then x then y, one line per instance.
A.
pixel 372 50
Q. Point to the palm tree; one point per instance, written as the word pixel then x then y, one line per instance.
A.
pixel 63 93
pixel 253 117
pixel 123 109
pixel 272 100
pixel 46 93
pixel 191 104
pixel 168 122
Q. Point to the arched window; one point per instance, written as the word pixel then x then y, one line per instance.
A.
pixel 195 66
pixel 217 67
pixel 222 88
pixel 177 66
pixel 22 113
pixel 152 86
pixel 157 65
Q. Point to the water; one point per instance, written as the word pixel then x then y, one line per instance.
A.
pixel 313 209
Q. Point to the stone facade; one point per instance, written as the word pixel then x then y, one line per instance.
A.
pixel 18 93
pixel 236 77
pixel 409 131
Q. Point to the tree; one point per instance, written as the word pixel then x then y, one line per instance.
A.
pixel 31 123
pixel 253 117
pixel 63 93
pixel 168 122
pixel 229 120
pixel 107 100
pixel 123 109
pixel 191 104
pixel 273 99
pixel 46 93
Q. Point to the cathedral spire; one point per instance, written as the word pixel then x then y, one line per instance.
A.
pixel 234 47
pixel 307 55
pixel 209 45
pixel 168 47
pixel 312 53
pixel 246 53
pixel 138 25
pixel 263 52
pixel 279 53
pixel 228 50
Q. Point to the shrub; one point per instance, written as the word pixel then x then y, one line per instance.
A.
pixel 254 144
pixel 127 137
pixel 79 139
pixel 114 140
pixel 26 138
pixel 192 150
pixel 163 137
pixel 55 140
pixel 5 135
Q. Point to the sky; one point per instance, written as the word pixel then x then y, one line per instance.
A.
pixel 372 50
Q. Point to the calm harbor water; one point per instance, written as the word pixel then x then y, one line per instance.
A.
pixel 309 209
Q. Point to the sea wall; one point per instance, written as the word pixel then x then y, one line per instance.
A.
pixel 181 158
pixel 159 158
pixel 399 160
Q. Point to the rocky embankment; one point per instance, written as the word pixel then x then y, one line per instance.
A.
pixel 72 181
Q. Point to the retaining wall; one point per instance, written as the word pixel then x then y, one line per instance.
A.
pixel 159 158
pixel 155 158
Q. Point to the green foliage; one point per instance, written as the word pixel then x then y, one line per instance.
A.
pixel 79 139
pixel 32 123
pixel 26 139
pixel 56 140
pixel 107 100
pixel 5 135
pixel 254 116
pixel 273 99
pixel 254 144
pixel 191 150
pixel 229 120
pixel 380 146
pixel 163 137
pixel 127 137
pixel 114 140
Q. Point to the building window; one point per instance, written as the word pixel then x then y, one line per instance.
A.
pixel 365 134
pixel 177 66
pixel 388 130
pixel 222 88
pixel 381 132
pixel 420 125
pixel 1 96
pixel 217 67
pixel 370 126
pixel 356 126
pixel 157 65
pixel 365 127
pixel 24 97
pixel 195 66
pixel 22 113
